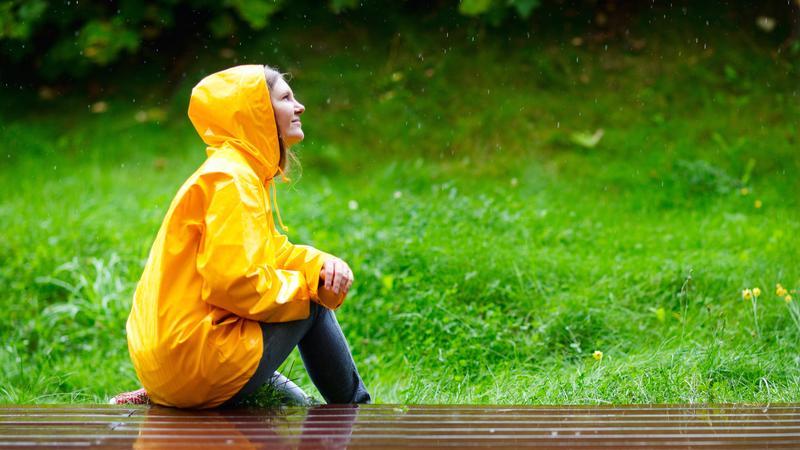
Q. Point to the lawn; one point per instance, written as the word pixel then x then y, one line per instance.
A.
pixel 496 243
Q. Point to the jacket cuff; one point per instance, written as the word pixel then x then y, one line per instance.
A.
pixel 312 276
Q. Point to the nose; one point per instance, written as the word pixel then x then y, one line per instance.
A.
pixel 299 108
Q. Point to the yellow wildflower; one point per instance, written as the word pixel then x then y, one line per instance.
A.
pixel 744 191
pixel 757 204
pixel 788 298
pixel 780 291
pixel 597 355
pixel 747 294
pixel 756 292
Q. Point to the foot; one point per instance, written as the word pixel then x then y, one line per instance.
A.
pixel 137 397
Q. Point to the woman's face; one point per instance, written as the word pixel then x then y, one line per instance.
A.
pixel 287 113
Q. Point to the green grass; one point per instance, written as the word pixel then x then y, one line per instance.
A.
pixel 493 255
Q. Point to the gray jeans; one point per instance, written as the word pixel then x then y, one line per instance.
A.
pixel 325 354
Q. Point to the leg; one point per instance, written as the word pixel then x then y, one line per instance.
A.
pixel 329 363
pixel 324 351
pixel 279 340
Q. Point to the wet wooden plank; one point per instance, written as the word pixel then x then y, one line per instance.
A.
pixel 406 426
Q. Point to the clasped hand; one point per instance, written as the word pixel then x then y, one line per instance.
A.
pixel 335 281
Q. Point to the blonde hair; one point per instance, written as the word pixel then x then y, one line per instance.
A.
pixel 288 157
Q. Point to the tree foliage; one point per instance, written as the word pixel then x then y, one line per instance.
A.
pixel 73 37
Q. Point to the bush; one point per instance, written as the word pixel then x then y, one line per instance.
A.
pixel 73 38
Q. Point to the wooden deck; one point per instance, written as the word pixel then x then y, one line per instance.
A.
pixel 400 426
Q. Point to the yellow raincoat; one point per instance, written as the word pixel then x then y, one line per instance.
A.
pixel 218 266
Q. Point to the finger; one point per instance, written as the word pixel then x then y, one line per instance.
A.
pixel 340 275
pixel 347 286
pixel 329 273
pixel 337 276
pixel 346 275
pixel 348 280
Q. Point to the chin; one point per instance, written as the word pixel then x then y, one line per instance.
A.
pixel 294 139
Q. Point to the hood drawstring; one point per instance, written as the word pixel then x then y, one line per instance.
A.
pixel 284 178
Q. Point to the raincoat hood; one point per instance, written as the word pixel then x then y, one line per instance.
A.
pixel 233 106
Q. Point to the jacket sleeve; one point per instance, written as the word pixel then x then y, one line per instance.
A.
pixel 303 258
pixel 233 259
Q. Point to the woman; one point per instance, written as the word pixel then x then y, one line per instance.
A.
pixel 224 297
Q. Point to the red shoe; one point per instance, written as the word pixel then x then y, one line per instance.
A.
pixel 137 397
